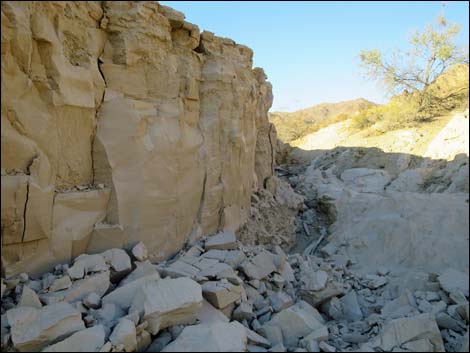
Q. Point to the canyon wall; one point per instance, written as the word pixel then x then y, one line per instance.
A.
pixel 121 122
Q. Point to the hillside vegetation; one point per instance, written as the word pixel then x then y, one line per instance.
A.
pixel 293 125
pixel 447 93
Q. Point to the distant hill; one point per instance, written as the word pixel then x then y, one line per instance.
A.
pixel 293 125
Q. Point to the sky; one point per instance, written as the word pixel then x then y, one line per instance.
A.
pixel 309 50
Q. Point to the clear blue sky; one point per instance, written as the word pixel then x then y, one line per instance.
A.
pixel 309 49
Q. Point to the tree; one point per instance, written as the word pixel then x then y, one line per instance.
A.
pixel 431 53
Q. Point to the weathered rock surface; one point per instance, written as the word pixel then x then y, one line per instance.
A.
pixel 214 337
pixel 168 302
pixel 88 340
pixel 33 329
pixel 420 330
pixel 168 149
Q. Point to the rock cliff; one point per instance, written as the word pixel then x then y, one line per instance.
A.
pixel 121 123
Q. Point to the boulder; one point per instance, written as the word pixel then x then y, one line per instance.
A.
pixel 452 280
pixel 168 302
pixel 122 296
pixel 124 333
pixel 61 283
pixel 221 294
pixel 243 312
pixel 85 264
pixel 259 266
pixel 29 298
pixel 214 337
pixel 119 262
pixel 314 281
pixel 407 330
pixel 33 329
pixel 280 301
pixel 97 283
pixel 222 241
pixel 351 309
pixel 92 301
pixel 297 321
pixel 140 251
pixel 208 313
pixel 316 298
pixel 145 268
pixel 88 340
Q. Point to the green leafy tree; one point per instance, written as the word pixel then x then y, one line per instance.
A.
pixel 431 53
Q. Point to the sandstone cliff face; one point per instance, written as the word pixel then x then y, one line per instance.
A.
pixel 122 113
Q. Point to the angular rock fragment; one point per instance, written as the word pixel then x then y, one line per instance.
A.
pixel 407 330
pixel 351 309
pixel 452 280
pixel 221 294
pixel 280 301
pixel 88 340
pixel 33 329
pixel 259 266
pixel 119 262
pixel 92 301
pixel 29 298
pixel 222 241
pixel 315 281
pixel 243 312
pixel 215 337
pixel 60 284
pixel 124 333
pixel 140 252
pixel 208 313
pixel 168 302
pixel 145 268
pixel 297 321
pixel 97 283
pixel 122 296
pixel 85 264
pixel 316 298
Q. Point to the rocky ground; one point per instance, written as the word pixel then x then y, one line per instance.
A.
pixel 221 295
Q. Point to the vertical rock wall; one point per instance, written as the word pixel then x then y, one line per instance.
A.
pixel 123 113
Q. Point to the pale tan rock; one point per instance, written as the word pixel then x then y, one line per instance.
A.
pixel 85 264
pixel 105 236
pixel 60 284
pixel 29 298
pixel 221 294
pixel 259 266
pixel 209 313
pixel 74 217
pixel 98 283
pixel 144 339
pixel 222 241
pixel 297 321
pixel 124 333
pixel 168 302
pixel 140 252
pixel 452 280
pixel 142 269
pixel 88 340
pixel 118 260
pixel 14 194
pixel 82 124
pixel 41 327
pixel 122 296
pixel 38 215
pixel 407 330
pixel 213 337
